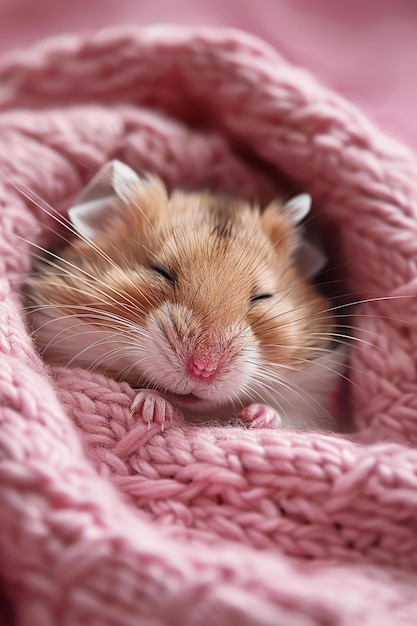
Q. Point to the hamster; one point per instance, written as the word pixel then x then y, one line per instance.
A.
pixel 196 301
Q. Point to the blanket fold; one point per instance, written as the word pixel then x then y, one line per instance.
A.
pixel 104 522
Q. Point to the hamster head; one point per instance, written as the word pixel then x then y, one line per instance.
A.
pixel 191 294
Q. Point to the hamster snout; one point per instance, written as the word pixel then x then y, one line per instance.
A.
pixel 185 357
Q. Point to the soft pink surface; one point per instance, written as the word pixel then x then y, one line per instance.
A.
pixel 365 49
pixel 104 522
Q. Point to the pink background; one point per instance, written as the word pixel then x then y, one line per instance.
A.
pixel 364 49
pixel 70 538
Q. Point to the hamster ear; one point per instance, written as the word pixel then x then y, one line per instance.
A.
pixel 310 259
pixel 298 208
pixel 281 223
pixel 279 217
pixel 89 218
pixel 125 181
pixel 114 184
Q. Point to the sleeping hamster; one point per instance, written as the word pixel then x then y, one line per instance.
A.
pixel 196 301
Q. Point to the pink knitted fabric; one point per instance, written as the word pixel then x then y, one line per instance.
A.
pixel 103 522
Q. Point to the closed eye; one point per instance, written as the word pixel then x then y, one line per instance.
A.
pixel 165 273
pixel 260 297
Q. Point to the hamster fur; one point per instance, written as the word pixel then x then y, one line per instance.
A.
pixel 196 298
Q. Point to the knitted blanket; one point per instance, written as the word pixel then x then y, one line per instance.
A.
pixel 104 522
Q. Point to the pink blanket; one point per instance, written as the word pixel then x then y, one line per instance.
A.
pixel 104 522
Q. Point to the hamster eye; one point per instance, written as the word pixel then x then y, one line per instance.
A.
pixel 162 271
pixel 260 297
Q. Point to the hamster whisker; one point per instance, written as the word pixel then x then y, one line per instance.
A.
pixel 330 337
pixel 290 386
pixel 115 338
pixel 338 307
pixel 59 338
pixel 95 316
pixel 266 317
pixel 59 219
pixel 84 274
pixel 113 354
pixel 343 339
pixel 235 398
pixel 124 373
pixel 73 289
pixel 332 309
pixel 39 202
pixel 320 364
pixel 268 392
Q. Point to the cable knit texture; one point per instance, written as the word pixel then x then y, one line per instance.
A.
pixel 104 522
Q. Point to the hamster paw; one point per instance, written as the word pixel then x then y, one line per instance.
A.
pixel 260 416
pixel 152 407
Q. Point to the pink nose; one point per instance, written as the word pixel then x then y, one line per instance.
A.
pixel 202 367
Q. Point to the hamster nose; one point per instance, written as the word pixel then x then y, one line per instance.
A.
pixel 202 367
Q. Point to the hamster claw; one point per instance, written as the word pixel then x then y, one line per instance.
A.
pixel 152 407
pixel 260 416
